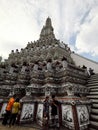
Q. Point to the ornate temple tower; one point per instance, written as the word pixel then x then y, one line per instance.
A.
pixel 49 69
pixel 47 30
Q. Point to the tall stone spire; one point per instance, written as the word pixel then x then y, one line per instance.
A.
pixel 47 30
pixel 48 22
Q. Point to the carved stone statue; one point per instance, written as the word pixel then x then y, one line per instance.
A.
pixel 64 62
pixel 35 68
pixel 49 65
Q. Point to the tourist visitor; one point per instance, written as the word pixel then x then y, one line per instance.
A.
pixel 46 113
pixel 45 123
pixel 55 112
pixel 46 106
pixel 14 112
pixel 91 71
pixel 8 110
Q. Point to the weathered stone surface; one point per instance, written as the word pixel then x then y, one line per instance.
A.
pixel 44 67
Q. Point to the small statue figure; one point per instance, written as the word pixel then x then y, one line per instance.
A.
pixel 49 65
pixel 64 62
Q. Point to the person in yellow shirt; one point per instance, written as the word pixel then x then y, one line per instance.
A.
pixel 14 113
pixel 8 109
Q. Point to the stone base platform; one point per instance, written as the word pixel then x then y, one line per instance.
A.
pixel 26 127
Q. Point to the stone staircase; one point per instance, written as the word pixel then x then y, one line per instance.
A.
pixel 93 95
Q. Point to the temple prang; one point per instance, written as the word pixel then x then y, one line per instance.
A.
pixel 45 67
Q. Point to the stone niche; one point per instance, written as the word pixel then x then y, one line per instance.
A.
pixel 75 110
pixel 39 114
pixel 28 109
pixel 2 108
pixel 75 113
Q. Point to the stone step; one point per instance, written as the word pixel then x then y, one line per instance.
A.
pixel 95 105
pixel 92 84
pixel 92 76
pixel 94 117
pixel 95 111
pixel 94 125
pixel 92 87
pixel 93 93
pixel 94 100
pixel 92 81
pixel 92 128
pixel 93 96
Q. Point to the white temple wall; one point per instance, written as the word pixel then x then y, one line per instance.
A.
pixel 80 61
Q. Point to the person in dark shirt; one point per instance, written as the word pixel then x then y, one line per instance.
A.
pixel 46 106
pixel 55 112
pixel 46 113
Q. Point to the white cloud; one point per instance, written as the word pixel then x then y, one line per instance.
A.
pixel 87 39
pixel 21 21
pixel 16 28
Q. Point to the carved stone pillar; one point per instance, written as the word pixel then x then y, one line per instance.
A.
pixel 75 113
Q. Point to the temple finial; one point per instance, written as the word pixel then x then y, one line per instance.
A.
pixel 48 22
pixel 47 30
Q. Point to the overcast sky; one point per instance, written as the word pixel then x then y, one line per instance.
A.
pixel 75 23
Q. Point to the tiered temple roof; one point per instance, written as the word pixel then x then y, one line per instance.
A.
pixel 45 62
